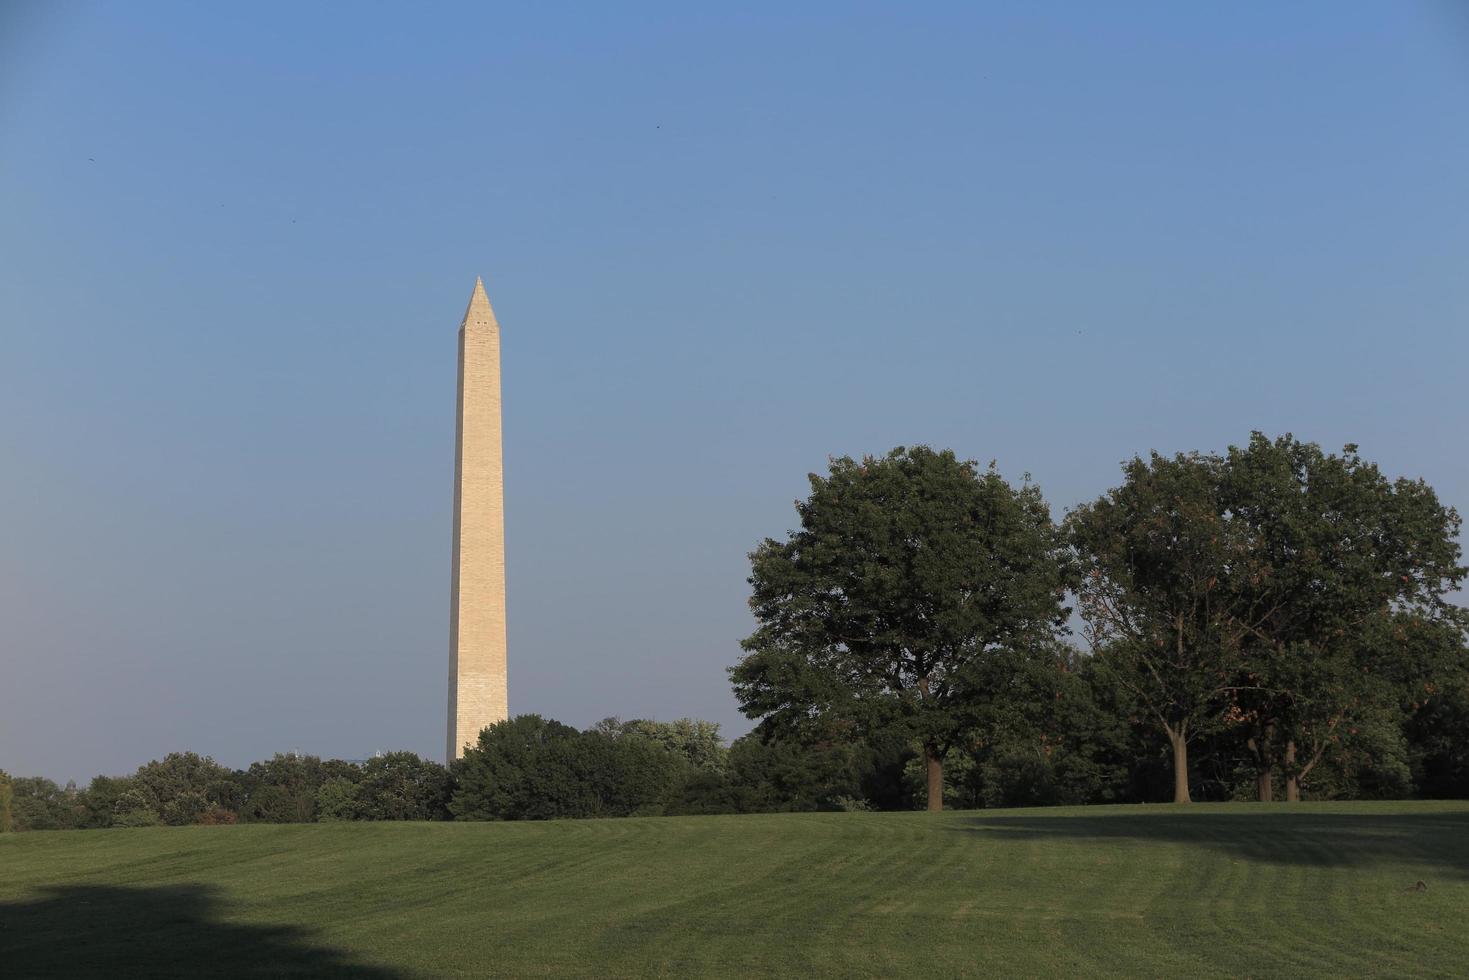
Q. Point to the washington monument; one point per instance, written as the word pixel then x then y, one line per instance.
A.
pixel 477 681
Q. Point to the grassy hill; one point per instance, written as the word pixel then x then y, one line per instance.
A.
pixel 1115 891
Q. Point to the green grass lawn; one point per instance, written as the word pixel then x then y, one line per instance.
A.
pixel 1242 890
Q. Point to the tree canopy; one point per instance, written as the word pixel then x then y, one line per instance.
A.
pixel 1269 590
pixel 1158 555
pixel 1348 564
pixel 914 585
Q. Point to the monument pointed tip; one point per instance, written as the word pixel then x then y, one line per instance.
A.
pixel 479 303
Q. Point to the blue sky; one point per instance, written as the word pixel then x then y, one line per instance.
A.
pixel 722 243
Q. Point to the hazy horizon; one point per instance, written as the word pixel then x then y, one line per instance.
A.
pixel 721 245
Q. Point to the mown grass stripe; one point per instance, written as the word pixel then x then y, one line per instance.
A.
pixel 1306 890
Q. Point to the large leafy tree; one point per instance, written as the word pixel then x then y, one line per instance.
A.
pixel 913 588
pixel 1160 557
pixel 1350 592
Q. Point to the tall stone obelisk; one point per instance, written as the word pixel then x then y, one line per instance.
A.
pixel 477 674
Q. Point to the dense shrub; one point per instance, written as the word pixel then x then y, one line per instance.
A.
pixel 283 788
pixel 180 787
pixel 134 808
pixel 767 775
pixel 530 768
pixel 40 804
pixel 696 742
pixel 399 786
pixel 1438 739
pixel 98 803
pixel 336 800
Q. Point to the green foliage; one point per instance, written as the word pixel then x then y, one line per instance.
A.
pixel 961 780
pixel 7 804
pixel 392 786
pixel 40 804
pixel 1277 593
pixel 283 788
pixel 780 775
pixel 1438 737
pixel 1347 611
pixel 185 808
pixel 336 800
pixel 1158 557
pixel 784 775
pixel 99 801
pixel 902 603
pixel 400 786
pixel 529 768
pixel 503 775
pixel 135 808
pixel 181 786
pixel 697 742
pixel 1371 760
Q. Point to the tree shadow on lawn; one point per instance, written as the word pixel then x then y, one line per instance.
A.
pixel 1422 844
pixel 103 931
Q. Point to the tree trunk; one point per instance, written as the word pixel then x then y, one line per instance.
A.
pixel 1292 778
pixel 1265 779
pixel 1180 764
pixel 935 778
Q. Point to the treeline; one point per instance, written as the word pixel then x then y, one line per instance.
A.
pixel 185 788
pixel 1273 617
pixel 1088 750
pixel 526 768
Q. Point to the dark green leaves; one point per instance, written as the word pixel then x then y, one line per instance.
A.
pixel 910 573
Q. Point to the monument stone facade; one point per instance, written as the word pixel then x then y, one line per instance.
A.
pixel 478 688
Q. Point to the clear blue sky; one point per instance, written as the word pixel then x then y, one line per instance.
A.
pixel 235 244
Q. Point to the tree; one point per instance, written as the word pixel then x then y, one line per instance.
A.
pixel 497 778
pixel 7 804
pixel 135 808
pixel 1348 606
pixel 777 776
pixel 1438 733
pixel 1064 745
pixel 1159 556
pixel 39 804
pixel 532 768
pixel 401 786
pixel 791 776
pixel 99 802
pixel 181 786
pixel 697 742
pixel 900 605
pixel 283 788
pixel 337 800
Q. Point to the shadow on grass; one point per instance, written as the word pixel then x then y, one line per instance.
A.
pixel 98 931
pixel 1421 843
